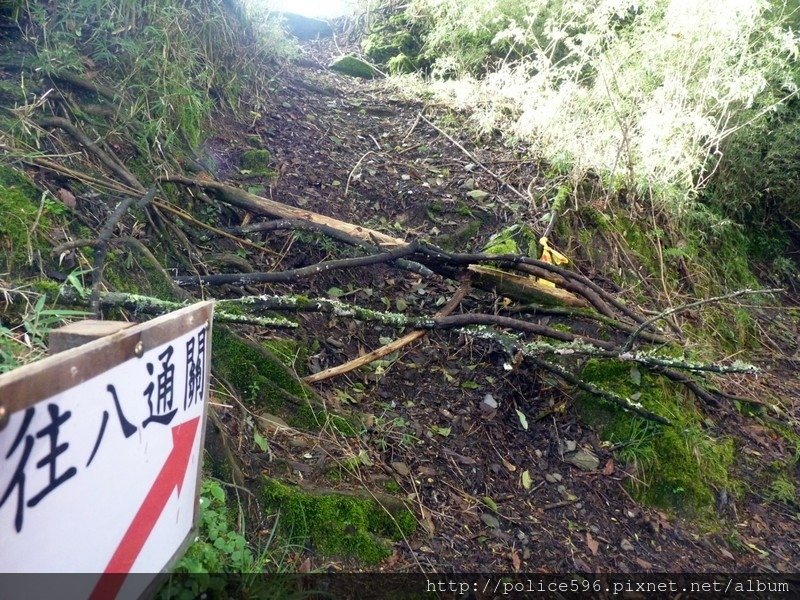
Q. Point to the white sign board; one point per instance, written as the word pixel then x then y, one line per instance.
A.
pixel 100 459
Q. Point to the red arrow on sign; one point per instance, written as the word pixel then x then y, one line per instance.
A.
pixel 171 476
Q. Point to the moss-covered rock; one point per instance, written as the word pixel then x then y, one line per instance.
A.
pixel 354 67
pixel 267 384
pixel 336 523
pixel 402 63
pixel 679 467
pixel 256 162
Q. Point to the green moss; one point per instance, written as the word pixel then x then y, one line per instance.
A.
pixel 782 489
pixel 290 352
pixel 392 487
pixel 458 240
pixel 338 524
pixel 256 162
pixel 679 467
pixel 138 276
pixel 19 208
pixel 11 93
pixel 259 376
pixel 46 286
pixel 400 64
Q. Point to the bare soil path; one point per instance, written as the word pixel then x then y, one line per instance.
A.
pixel 348 149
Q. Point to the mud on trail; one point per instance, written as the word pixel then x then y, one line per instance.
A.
pixel 442 424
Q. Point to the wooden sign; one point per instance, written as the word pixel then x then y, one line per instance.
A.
pixel 100 456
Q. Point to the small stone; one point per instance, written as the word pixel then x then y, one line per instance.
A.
pixel 584 460
pixel 569 446
pixel 557 476
pixel 468 184
pixel 489 401
pixel 469 167
pixel 626 545
pixel 401 469
pixel 478 195
pixel 538 453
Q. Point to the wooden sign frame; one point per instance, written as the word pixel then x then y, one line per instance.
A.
pixel 28 385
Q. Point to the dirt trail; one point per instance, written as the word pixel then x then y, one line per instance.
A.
pixel 348 149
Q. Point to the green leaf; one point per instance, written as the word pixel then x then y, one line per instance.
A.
pixel 523 420
pixel 335 292
pixel 490 503
pixel 443 431
pixel 260 441
pixel 526 480
pixel 469 385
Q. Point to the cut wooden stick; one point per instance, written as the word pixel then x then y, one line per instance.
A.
pixel 263 206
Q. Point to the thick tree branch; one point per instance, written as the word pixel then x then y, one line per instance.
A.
pixel 293 275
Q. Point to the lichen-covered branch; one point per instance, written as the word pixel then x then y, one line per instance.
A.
pixel 625 403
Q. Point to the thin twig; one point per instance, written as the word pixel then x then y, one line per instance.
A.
pixel 296 274
pixel 102 247
pixel 629 343
pixel 353 170
pixel 472 157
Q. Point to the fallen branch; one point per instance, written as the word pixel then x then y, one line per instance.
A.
pixel 392 346
pixel 625 404
pixel 662 315
pixel 293 275
pixel 330 232
pixel 568 280
pixel 102 244
pixel 263 206
pixel 81 138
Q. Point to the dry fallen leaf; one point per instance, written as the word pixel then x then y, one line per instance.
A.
pixel 516 561
pixel 592 543
pixel 609 468
pixel 508 465
pixel 67 197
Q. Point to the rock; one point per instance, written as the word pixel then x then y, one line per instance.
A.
pixel 583 459
pixel 478 195
pixel 626 545
pixel 489 401
pixel 306 28
pixel 553 477
pixel 353 66
pixel 401 469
